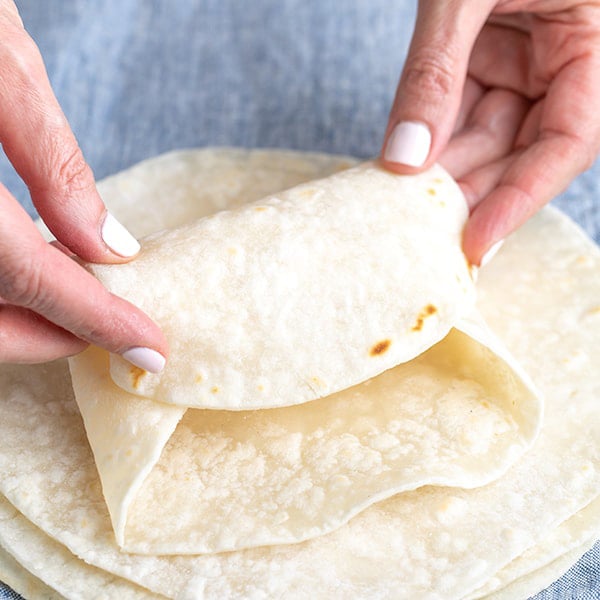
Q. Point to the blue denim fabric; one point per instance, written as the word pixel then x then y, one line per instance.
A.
pixel 140 77
pixel 7 594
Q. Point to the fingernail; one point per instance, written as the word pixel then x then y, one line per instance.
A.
pixel 408 144
pixel 487 257
pixel 145 358
pixel 118 239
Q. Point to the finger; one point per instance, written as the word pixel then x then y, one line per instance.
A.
pixel 10 13
pixel 504 57
pixel 472 93
pixel 62 248
pixel 478 184
pixel 568 143
pixel 38 141
pixel 26 337
pixel 37 276
pixel 429 93
pixel 488 134
pixel 530 128
pixel 543 170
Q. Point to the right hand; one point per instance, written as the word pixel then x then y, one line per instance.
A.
pixel 503 93
pixel 49 305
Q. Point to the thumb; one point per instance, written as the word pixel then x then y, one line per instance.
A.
pixel 430 89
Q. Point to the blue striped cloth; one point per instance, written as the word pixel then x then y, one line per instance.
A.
pixel 140 77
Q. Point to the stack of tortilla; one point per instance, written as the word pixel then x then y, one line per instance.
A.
pixel 345 412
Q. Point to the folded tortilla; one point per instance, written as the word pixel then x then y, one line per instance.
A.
pixel 301 294
pixel 458 415
pixel 278 304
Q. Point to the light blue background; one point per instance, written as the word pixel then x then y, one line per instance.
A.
pixel 138 77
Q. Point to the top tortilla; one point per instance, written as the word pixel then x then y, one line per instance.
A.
pixel 301 294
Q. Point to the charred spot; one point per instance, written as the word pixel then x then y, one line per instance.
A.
pixel 431 192
pixel 380 347
pixel 260 208
pixel 136 375
pixel 429 310
pixel 215 390
pixel 307 192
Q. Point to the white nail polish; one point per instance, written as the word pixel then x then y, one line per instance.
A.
pixel 117 238
pixel 145 358
pixel 487 257
pixel 409 144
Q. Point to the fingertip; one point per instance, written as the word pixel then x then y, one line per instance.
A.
pixel 482 238
pixel 145 358
pixel 408 145
pixel 117 237
pixel 490 253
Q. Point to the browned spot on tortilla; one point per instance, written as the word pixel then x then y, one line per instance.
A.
pixel 431 192
pixel 438 180
pixel 380 347
pixel 307 193
pixel 594 310
pixel 261 388
pixel 136 375
pixel 472 269
pixel 214 390
pixel 429 310
pixel 198 378
pixel 260 208
pixel 232 250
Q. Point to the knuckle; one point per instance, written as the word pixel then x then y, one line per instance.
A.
pixel 22 284
pixel 431 74
pixel 587 156
pixel 578 152
pixel 18 51
pixel 71 172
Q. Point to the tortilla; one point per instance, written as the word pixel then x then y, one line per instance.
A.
pixel 52 561
pixel 22 581
pixel 28 559
pixel 536 581
pixel 570 539
pixel 276 303
pixel 457 415
pixel 432 542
